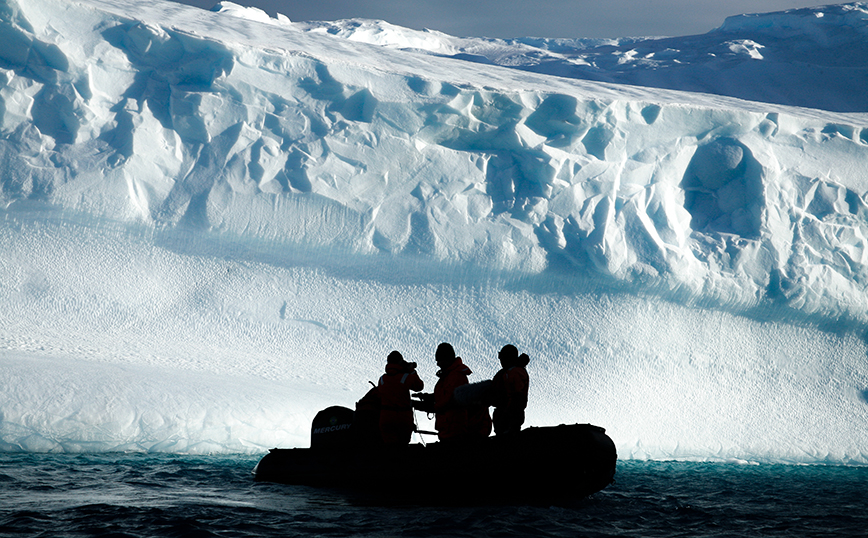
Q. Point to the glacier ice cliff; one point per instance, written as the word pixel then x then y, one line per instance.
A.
pixel 269 207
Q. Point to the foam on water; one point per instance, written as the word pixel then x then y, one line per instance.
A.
pixel 215 225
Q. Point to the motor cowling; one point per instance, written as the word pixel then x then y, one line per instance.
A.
pixel 332 428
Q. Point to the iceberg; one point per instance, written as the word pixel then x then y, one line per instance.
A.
pixel 216 223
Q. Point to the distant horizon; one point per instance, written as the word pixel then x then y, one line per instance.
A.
pixel 554 19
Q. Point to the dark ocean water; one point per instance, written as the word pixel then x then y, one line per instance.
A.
pixel 168 495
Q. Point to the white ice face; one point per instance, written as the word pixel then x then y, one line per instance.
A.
pixel 217 223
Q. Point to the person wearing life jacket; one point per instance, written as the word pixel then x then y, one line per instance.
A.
pixel 509 391
pixel 453 422
pixel 396 413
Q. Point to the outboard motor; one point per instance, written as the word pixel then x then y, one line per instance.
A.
pixel 332 428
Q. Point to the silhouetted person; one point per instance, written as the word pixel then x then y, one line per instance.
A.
pixel 396 413
pixel 455 423
pixel 366 421
pixel 509 391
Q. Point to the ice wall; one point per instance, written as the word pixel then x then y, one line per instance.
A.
pixel 241 200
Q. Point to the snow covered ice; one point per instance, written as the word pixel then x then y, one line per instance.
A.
pixel 217 223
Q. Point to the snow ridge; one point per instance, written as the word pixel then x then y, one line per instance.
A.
pixel 812 57
pixel 704 205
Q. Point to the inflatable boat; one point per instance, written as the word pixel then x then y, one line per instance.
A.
pixel 536 464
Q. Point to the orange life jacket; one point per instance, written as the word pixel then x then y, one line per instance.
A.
pixel 396 413
pixel 451 421
pixel 510 387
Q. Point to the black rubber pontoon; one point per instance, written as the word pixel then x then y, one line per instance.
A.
pixel 566 461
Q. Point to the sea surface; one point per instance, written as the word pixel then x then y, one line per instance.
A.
pixel 169 495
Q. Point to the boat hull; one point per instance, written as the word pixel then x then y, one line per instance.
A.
pixel 566 461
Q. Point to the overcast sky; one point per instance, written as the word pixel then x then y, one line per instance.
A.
pixel 520 18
